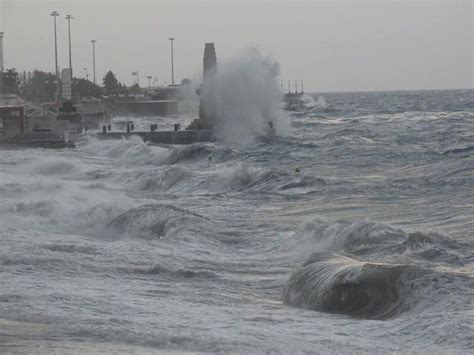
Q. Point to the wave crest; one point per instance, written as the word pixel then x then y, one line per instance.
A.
pixel 338 284
pixel 373 271
pixel 154 221
pixel 189 152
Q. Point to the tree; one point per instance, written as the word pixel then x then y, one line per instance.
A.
pixel 86 88
pixel 10 81
pixel 40 86
pixel 111 84
pixel 135 88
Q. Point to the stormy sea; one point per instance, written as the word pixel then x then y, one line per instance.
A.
pixel 349 232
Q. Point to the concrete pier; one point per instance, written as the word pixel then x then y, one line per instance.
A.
pixel 165 137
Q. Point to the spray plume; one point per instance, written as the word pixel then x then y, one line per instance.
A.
pixel 245 96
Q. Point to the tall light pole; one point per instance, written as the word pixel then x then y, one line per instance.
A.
pixel 172 61
pixel 93 58
pixel 69 18
pixel 1 62
pixel 55 14
pixel 149 82
pixel 137 74
pixel 1 51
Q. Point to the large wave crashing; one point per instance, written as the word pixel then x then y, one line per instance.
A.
pixel 373 271
pixel 247 95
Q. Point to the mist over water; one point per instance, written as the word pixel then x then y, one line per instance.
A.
pixel 125 246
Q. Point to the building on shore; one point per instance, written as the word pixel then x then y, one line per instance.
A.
pixel 23 124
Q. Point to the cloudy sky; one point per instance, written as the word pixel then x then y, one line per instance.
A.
pixel 331 45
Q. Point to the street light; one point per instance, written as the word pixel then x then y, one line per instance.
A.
pixel 1 51
pixel 1 62
pixel 55 14
pixel 137 74
pixel 69 18
pixel 93 58
pixel 149 81
pixel 172 61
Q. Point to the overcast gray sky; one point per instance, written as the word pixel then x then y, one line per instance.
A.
pixel 331 45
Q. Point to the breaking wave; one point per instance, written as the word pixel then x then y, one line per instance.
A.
pixel 247 97
pixel 242 177
pixel 153 221
pixel 187 153
pixel 338 284
pixel 373 271
pixel 375 240
pixel 163 180
pixel 128 152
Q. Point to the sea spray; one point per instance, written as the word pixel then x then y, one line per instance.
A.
pixel 247 97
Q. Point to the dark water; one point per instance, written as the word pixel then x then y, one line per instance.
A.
pixel 352 234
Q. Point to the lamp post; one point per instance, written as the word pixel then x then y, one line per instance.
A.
pixel 1 62
pixel 149 82
pixel 172 61
pixel 1 51
pixel 93 59
pixel 69 18
pixel 55 14
pixel 137 74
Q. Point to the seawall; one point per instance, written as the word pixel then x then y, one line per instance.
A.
pixel 165 137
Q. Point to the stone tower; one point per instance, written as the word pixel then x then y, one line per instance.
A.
pixel 207 104
pixel 210 60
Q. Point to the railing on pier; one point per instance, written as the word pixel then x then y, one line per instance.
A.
pixel 36 137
